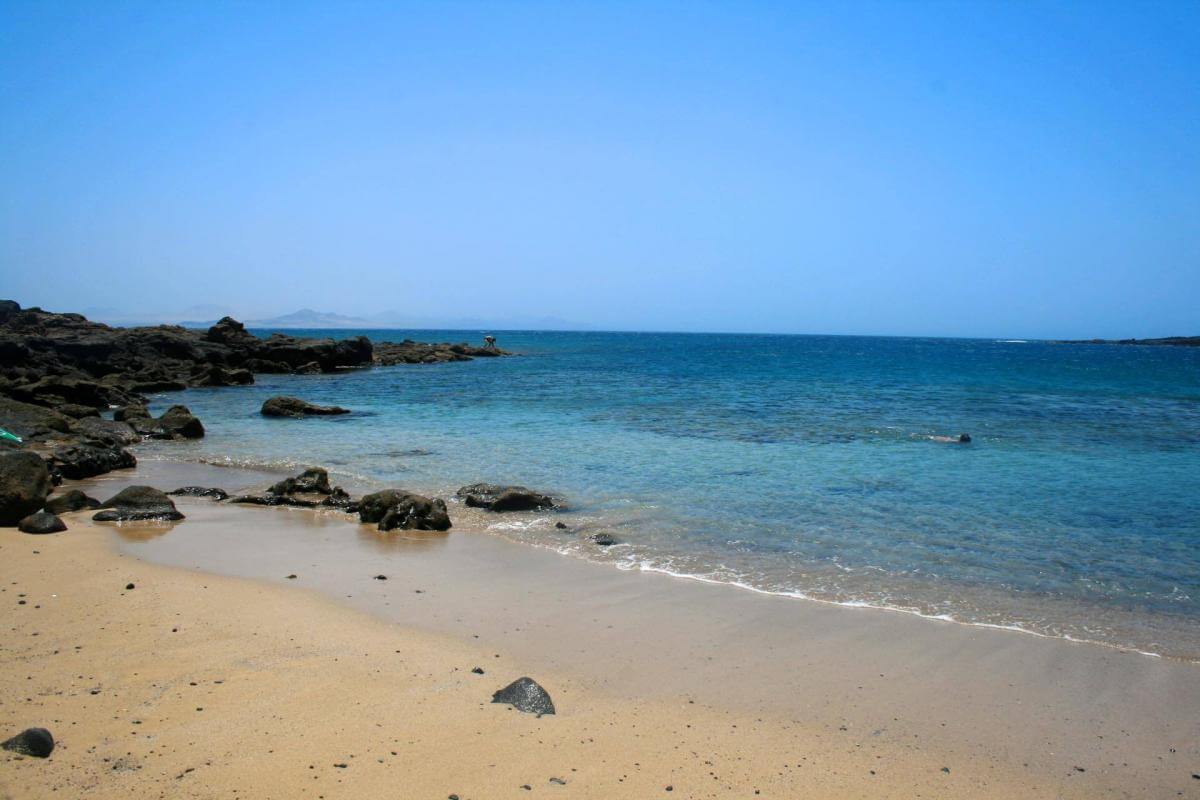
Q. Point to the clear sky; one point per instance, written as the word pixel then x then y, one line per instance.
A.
pixel 1013 169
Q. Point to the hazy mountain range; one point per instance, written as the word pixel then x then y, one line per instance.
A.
pixel 205 316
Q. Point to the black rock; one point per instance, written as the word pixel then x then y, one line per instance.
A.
pixel 71 500
pixel 180 423
pixel 524 694
pixel 505 498
pixel 200 491
pixel 131 412
pixel 269 499
pixel 282 406
pixel 381 577
pixel 31 421
pixel 395 508
pixel 603 539
pixel 138 503
pixel 478 670
pixel 36 742
pixel 105 432
pixel 24 484
pixel 88 460
pixel 562 526
pixel 312 481
pixel 41 522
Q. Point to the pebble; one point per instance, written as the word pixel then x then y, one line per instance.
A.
pixel 128 586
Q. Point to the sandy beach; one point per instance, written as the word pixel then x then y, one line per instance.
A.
pixel 217 675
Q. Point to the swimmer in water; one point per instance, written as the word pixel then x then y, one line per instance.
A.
pixel 962 438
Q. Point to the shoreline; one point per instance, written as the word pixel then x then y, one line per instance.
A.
pixel 357 484
pixel 1017 715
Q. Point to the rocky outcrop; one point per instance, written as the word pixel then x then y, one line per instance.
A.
pixel 395 508
pixel 309 489
pixel 135 503
pixel 41 522
pixel 24 485
pixel 283 406
pixel 410 352
pixel 526 695
pixel 79 461
pixel 505 498
pixel 71 500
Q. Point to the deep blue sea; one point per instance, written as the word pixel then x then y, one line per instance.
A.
pixel 799 464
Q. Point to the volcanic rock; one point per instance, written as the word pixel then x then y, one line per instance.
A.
pixel 24 484
pixel 41 522
pixel 524 694
pixel 395 508
pixel 283 406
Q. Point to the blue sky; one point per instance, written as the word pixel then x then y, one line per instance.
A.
pixel 993 169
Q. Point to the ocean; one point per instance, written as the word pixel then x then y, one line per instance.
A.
pixel 797 465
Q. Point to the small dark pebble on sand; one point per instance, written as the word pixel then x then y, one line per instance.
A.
pixel 946 770
pixel 36 742
pixel 562 526
pixel 670 788
pixel 128 586
pixel 1080 769
pixel 478 670
pixel 381 577
pixel 558 781
pixel 452 797
pixel 527 787
pixel 291 577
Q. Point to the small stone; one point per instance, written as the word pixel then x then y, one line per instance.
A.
pixel 128 586
pixel 558 781
pixel 291 577
pixel 36 742
pixel 524 694
pixel 478 670
pixel 381 577
pixel 562 526
pixel 670 788
pixel 946 770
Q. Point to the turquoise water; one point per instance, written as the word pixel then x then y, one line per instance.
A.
pixel 800 464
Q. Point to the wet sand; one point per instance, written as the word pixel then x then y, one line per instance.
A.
pixel 712 690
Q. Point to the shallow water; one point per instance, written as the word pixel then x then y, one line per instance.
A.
pixel 799 464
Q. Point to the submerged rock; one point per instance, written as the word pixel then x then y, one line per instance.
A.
pixel 71 500
pixel 603 539
pixel 41 522
pixel 135 503
pixel 395 508
pixel 36 742
pixel 283 406
pixel 24 485
pixel 505 498
pixel 524 694
pixel 200 491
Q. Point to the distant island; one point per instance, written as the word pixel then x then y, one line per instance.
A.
pixel 1174 341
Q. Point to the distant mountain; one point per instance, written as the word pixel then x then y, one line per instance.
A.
pixel 308 318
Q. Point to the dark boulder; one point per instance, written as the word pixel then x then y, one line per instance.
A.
pixel 138 503
pixel 36 742
pixel 180 423
pixel 339 498
pixel 71 500
pixel 105 431
pixel 505 498
pixel 200 491
pixel 314 480
pixel 394 508
pixel 7 309
pixel 131 412
pixel 231 332
pixel 603 539
pixel 215 375
pixel 282 406
pixel 75 411
pixel 41 522
pixel 524 694
pixel 24 485
pixel 86 460
pixel 31 421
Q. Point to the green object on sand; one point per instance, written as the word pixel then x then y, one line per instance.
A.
pixel 12 437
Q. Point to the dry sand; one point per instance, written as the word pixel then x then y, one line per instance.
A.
pixel 199 685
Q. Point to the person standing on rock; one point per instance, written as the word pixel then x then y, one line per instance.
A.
pixel 489 342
